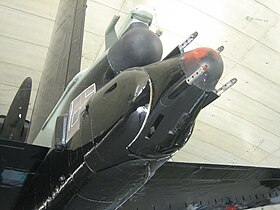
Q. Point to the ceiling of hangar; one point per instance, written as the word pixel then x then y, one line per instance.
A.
pixel 241 127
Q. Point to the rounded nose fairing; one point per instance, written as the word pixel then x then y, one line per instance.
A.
pixel 194 59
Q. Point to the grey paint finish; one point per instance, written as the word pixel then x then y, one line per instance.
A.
pixel 63 60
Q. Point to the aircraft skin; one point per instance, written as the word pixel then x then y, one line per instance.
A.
pixel 13 124
pixel 128 116
pixel 116 125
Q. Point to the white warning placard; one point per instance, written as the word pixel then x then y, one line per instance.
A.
pixel 75 109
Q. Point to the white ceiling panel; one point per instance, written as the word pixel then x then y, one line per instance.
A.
pixel 208 151
pixel 271 39
pixel 116 4
pixel 86 63
pixel 129 5
pixel 92 45
pixel 20 53
pixel 250 18
pixel 255 155
pixel 170 41
pixel 228 66
pixel 240 128
pixel 276 153
pixel 42 8
pixel 221 139
pixel 271 161
pixel 272 5
pixel 97 23
pixel 263 62
pixel 13 75
pixel 240 150
pixel 33 29
pixel 181 22
pixel 187 156
pixel 255 86
pixel 226 36
pixel 251 110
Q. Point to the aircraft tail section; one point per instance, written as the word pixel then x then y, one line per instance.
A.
pixel 62 62
pixel 14 126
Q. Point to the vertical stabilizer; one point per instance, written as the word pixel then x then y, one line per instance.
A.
pixel 14 126
pixel 63 60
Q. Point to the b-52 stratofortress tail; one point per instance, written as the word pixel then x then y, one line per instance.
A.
pixel 101 138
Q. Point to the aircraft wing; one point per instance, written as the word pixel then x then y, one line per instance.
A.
pixel 63 60
pixel 205 186
pixel 18 164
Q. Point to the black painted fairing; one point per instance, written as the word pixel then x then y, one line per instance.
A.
pixel 108 189
pixel 18 166
pixel 113 118
pixel 137 120
pixel 175 107
pixel 170 124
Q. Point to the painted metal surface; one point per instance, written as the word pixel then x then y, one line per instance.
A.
pixel 248 108
pixel 137 119
pixel 130 127
pixel 207 186
pixel 15 126
pixel 18 165
pixel 62 63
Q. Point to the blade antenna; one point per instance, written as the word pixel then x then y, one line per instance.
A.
pixel 225 87
pixel 180 48
pixel 220 49
pixel 188 41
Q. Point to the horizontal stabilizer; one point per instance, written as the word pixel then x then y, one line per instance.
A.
pixel 207 186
